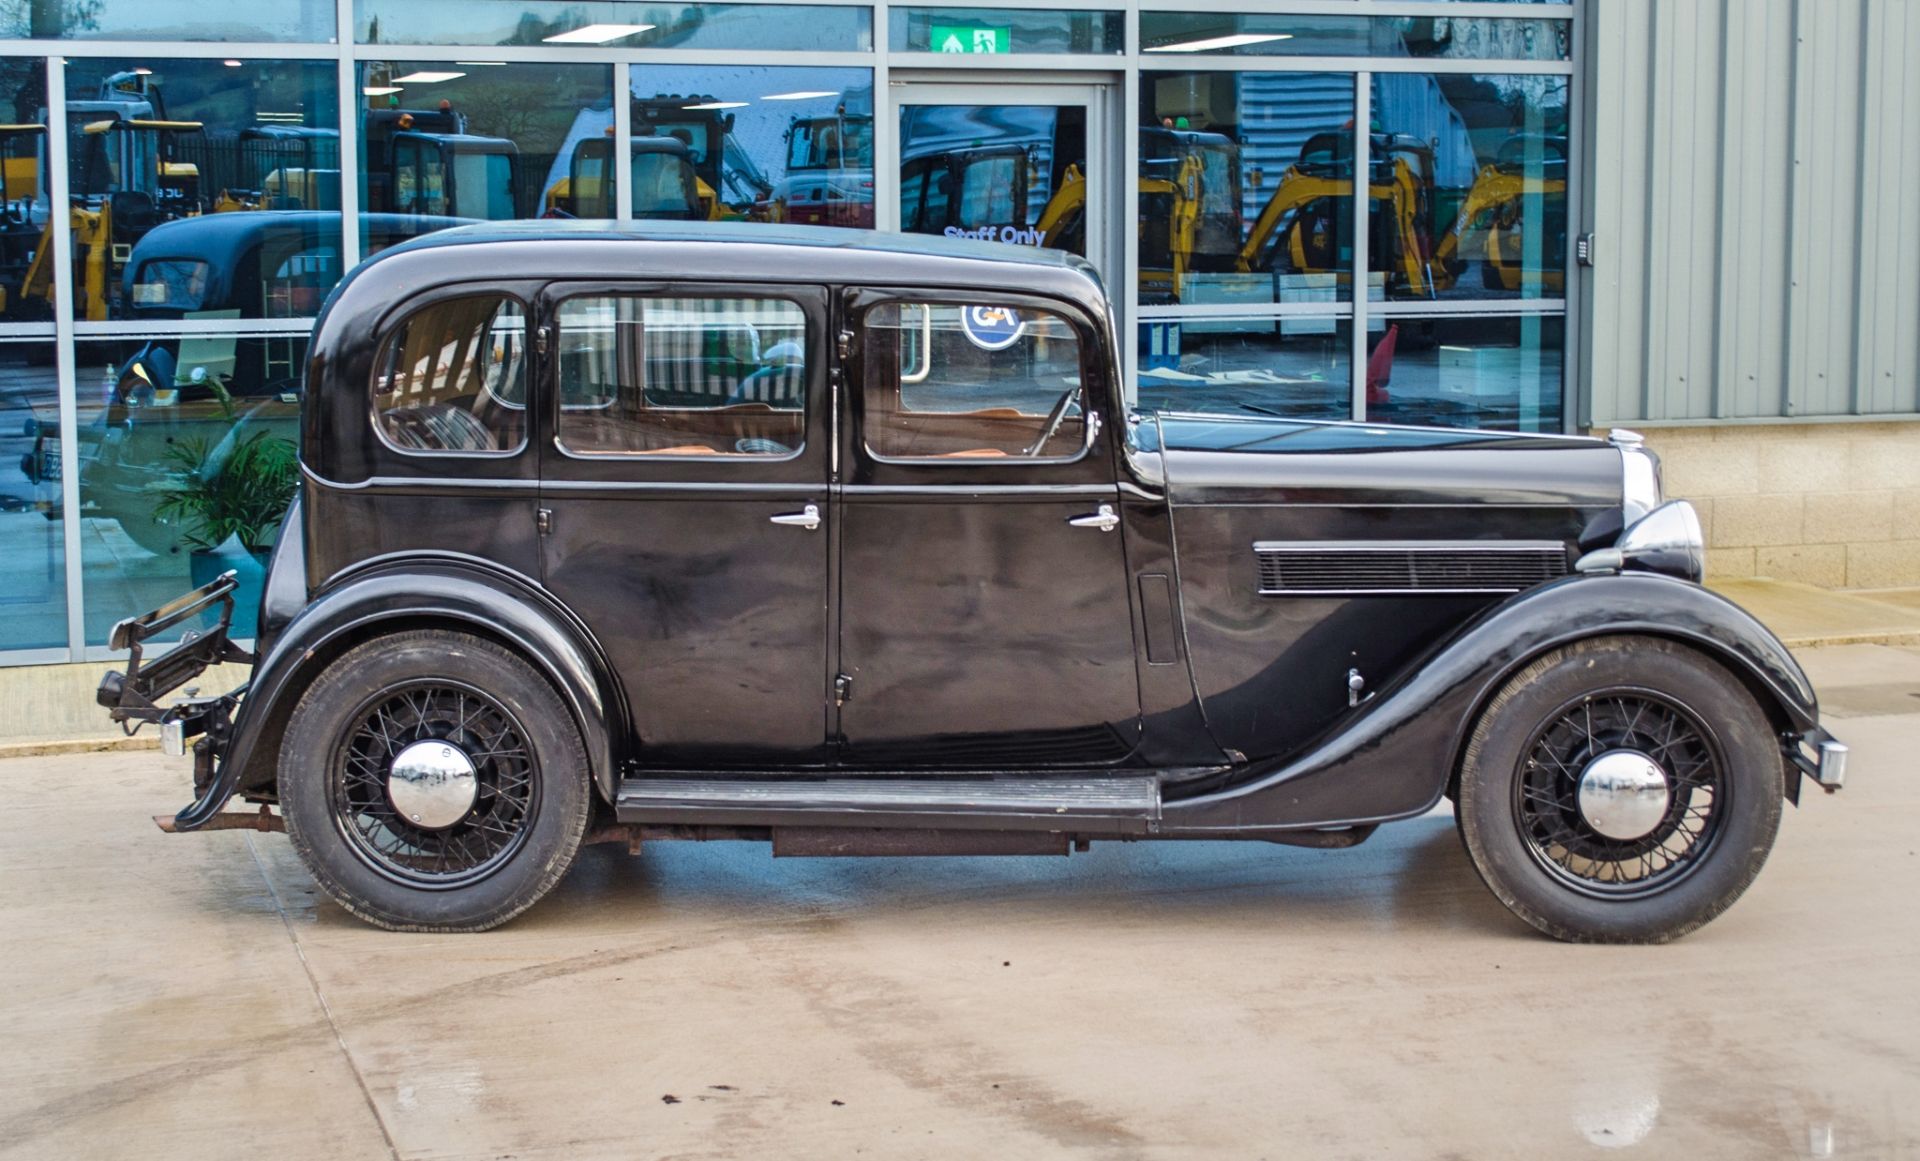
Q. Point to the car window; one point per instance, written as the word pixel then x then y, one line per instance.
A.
pixel 452 378
pixel 981 381
pixel 176 283
pixel 643 375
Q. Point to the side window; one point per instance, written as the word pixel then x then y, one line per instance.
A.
pixel 682 376
pixel 452 378
pixel 984 381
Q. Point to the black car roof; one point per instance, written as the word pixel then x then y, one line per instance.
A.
pixel 543 249
pixel 812 238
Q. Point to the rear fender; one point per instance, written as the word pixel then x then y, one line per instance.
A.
pixel 1393 758
pixel 396 595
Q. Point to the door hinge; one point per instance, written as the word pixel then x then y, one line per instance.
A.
pixel 844 344
pixel 842 690
pixel 540 339
pixel 543 520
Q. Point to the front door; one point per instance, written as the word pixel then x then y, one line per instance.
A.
pixel 984 619
pixel 684 478
pixel 1026 165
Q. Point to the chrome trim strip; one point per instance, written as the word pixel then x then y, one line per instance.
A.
pixel 1409 546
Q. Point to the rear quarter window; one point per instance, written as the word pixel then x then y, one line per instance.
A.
pixel 451 379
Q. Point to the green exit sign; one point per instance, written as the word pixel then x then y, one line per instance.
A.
pixel 971 38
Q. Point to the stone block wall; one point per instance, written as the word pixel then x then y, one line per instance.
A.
pixel 1830 504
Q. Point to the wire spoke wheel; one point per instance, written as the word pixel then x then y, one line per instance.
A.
pixel 473 759
pixel 1621 793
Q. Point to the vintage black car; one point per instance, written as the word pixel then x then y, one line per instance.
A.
pixel 848 542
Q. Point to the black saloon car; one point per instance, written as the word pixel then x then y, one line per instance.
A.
pixel 850 543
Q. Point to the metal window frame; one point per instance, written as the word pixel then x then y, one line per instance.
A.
pixel 1121 70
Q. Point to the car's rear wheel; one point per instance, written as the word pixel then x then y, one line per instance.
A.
pixel 434 781
pixel 1620 790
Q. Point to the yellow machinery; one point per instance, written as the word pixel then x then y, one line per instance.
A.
pixel 665 185
pixel 137 168
pixel 1186 202
pixel 1529 168
pixel 1325 172
pixel 19 191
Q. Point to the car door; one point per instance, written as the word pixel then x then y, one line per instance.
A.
pixel 982 593
pixel 684 483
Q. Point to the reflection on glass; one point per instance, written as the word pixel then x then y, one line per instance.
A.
pixel 444 144
pixel 26 289
pixel 971 383
pixel 165 160
pixel 1000 30
pixel 616 24
pixel 1275 34
pixel 681 376
pixel 259 21
pixel 762 144
pixel 1460 371
pixel 33 595
pixel 1246 187
pixel 1293 367
pixel 998 173
pixel 1479 205
pixel 187 464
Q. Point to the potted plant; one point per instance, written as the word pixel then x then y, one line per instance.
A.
pixel 228 497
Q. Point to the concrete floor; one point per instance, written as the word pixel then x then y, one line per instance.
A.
pixel 191 997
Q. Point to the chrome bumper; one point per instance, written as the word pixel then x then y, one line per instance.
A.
pixel 1822 758
pixel 1830 770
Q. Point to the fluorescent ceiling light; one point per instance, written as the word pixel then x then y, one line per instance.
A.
pixel 425 77
pixel 719 105
pixel 1237 40
pixel 232 64
pixel 802 95
pixel 482 64
pixel 143 72
pixel 379 90
pixel 596 33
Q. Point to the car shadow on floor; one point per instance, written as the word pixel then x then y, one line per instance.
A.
pixel 1409 876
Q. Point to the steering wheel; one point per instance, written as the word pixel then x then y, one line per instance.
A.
pixel 752 446
pixel 1055 418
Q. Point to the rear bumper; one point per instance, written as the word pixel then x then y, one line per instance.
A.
pixel 1821 757
pixel 134 698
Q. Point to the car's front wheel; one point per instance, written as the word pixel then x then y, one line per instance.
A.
pixel 434 781
pixel 1620 790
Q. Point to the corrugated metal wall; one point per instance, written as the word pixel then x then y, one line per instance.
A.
pixel 1754 168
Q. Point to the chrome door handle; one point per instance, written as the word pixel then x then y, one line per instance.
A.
pixel 1106 520
pixel 807 518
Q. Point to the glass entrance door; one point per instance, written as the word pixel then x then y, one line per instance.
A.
pixel 1023 165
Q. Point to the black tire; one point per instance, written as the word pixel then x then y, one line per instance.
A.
pixel 531 801
pixel 1519 816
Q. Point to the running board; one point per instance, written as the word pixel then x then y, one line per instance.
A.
pixel 1128 805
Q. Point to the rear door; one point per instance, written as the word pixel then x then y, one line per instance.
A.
pixel 684 477
pixel 984 616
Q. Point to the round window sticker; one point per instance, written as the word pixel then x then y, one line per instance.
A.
pixel 992 328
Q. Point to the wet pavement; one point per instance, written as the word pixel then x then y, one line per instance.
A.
pixel 191 996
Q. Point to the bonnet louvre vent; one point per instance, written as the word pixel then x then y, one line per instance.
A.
pixel 1347 567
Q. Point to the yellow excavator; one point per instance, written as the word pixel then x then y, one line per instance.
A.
pixel 1316 192
pixel 1529 167
pixel 1189 215
pixel 123 186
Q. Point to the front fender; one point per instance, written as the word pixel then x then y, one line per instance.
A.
pixel 447 592
pixel 1393 757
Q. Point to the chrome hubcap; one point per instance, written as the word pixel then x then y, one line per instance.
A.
pixel 1624 794
pixel 432 784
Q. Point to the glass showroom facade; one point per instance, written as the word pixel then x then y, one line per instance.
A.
pixel 224 165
